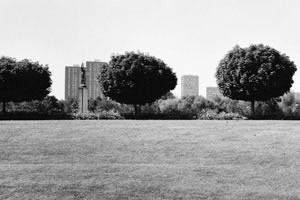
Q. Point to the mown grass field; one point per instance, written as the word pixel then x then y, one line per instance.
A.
pixel 150 160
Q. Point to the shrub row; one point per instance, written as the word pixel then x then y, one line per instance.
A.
pixel 99 115
pixel 29 115
pixel 190 107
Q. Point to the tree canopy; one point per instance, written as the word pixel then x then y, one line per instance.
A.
pixel 136 78
pixel 256 73
pixel 23 80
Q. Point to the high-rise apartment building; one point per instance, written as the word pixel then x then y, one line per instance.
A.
pixel 72 81
pixel 189 85
pixel 212 92
pixel 93 69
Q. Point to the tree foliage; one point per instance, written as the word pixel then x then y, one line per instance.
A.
pixel 23 80
pixel 136 78
pixel 256 73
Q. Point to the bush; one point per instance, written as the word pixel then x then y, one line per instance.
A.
pixel 169 106
pixel 232 106
pixel 46 109
pixel 160 109
pixel 290 106
pixel 189 107
pixel 157 116
pixel 214 115
pixel 106 104
pixel 175 109
pixel 148 108
pixel 32 115
pixel 111 114
pixel 200 103
pixel 268 110
pixel 99 105
pixel 70 105
pixel 264 109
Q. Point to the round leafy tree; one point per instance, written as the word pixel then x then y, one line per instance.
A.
pixel 136 78
pixel 23 80
pixel 256 73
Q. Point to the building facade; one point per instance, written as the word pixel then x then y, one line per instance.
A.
pixel 189 85
pixel 73 80
pixel 93 69
pixel 212 92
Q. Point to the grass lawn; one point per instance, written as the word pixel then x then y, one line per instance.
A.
pixel 150 160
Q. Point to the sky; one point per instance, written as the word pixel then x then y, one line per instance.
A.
pixel 190 36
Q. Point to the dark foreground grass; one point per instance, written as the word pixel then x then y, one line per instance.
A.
pixel 150 160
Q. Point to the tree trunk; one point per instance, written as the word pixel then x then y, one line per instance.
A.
pixel 253 108
pixel 4 107
pixel 136 109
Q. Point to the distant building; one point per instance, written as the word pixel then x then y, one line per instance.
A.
pixel 212 92
pixel 189 85
pixel 93 69
pixel 72 81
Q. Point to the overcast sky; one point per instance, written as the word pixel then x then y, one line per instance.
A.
pixel 190 36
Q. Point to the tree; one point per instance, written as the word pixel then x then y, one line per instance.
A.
pixel 23 80
pixel 168 95
pixel 50 104
pixel 136 78
pixel 256 73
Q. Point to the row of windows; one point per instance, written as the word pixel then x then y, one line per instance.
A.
pixel 73 80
